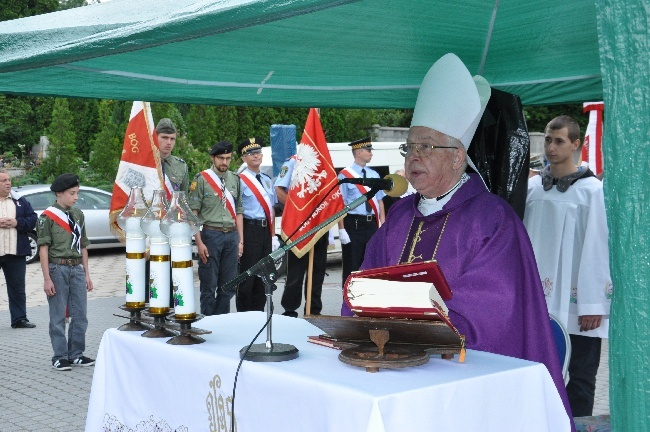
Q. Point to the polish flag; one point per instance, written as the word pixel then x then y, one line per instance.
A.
pixel 314 195
pixel 592 147
pixel 139 165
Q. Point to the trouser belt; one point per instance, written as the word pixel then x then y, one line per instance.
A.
pixel 216 228
pixel 258 222
pixel 66 261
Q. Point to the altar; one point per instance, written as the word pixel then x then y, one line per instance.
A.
pixel 140 383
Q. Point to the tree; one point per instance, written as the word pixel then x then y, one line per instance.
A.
pixel 106 145
pixel 85 114
pixel 61 153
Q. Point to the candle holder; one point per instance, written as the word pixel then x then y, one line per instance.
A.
pixel 129 220
pixel 188 334
pixel 159 329
pixel 179 225
pixel 159 255
pixel 135 319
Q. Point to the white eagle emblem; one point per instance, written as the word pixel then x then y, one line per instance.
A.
pixel 305 174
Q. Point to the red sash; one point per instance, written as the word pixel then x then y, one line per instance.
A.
pixel 226 197
pixel 261 194
pixel 59 217
pixel 374 204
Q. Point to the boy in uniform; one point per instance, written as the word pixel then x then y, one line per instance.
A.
pixel 62 245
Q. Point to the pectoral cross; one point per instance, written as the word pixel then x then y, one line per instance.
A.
pixel 416 239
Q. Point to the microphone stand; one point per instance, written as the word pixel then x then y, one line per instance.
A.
pixel 265 269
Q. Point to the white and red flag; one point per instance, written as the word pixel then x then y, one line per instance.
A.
pixel 314 195
pixel 140 162
pixel 592 147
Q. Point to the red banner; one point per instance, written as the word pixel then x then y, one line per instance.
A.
pixel 139 164
pixel 314 195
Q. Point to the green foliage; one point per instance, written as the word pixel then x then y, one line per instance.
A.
pixel 12 9
pixel 202 126
pixel 106 144
pixel 85 115
pixel 61 153
pixel 537 117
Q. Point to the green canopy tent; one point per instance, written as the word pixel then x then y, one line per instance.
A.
pixel 374 54
pixel 326 53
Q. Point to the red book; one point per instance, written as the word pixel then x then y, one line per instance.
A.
pixel 416 291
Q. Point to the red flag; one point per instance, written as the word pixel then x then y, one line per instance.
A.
pixel 313 194
pixel 592 147
pixel 140 162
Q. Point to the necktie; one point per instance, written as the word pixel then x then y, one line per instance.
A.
pixel 76 233
pixel 368 208
pixel 259 178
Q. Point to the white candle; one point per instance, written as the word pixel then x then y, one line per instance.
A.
pixel 183 281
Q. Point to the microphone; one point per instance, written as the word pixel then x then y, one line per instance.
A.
pixel 393 184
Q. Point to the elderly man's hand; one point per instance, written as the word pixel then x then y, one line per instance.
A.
pixel 589 322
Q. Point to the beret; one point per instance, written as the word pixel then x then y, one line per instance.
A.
pixel 222 147
pixel 64 182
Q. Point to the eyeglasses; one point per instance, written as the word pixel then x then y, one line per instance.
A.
pixel 421 149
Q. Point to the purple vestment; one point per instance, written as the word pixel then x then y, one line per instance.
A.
pixel 486 256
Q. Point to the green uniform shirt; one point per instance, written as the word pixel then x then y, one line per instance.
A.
pixel 175 169
pixel 57 239
pixel 206 201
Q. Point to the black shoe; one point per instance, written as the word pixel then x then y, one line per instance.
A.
pixel 61 365
pixel 82 361
pixel 23 323
pixel 292 314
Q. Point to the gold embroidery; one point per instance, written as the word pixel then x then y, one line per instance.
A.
pixel 219 412
pixel 416 239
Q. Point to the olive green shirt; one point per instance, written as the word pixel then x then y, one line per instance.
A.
pixel 175 169
pixel 58 240
pixel 211 210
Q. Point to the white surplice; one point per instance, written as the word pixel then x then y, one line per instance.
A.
pixel 569 234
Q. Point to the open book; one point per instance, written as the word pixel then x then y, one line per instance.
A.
pixel 416 290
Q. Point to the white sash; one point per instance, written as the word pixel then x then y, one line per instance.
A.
pixel 220 188
pixel 260 193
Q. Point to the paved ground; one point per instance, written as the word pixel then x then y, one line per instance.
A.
pixel 35 397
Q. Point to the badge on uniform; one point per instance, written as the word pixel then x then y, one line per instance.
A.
pixel 193 186
pixel 283 171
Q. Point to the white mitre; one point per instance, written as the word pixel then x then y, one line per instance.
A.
pixel 451 101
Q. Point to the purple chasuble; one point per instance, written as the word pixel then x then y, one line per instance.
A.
pixel 486 256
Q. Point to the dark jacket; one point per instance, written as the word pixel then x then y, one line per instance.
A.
pixel 26 218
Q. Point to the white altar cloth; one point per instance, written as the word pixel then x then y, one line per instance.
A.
pixel 141 382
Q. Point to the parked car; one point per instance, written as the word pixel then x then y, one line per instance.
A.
pixel 95 203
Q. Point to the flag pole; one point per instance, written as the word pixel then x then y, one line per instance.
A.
pixel 310 273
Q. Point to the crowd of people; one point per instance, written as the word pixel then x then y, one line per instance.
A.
pixel 506 274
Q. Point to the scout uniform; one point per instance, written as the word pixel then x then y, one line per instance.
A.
pixel 63 231
pixel 216 197
pixel 174 168
pixel 258 198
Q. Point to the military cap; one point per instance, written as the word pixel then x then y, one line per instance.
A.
pixel 250 146
pixel 536 161
pixel 166 126
pixel 64 182
pixel 222 147
pixel 361 143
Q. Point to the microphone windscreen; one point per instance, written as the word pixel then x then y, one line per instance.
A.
pixel 400 185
